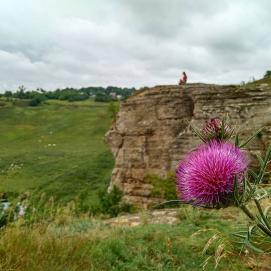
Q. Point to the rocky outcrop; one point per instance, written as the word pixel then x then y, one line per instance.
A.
pixel 152 131
pixel 165 216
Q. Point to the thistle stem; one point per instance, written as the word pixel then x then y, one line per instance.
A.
pixel 253 218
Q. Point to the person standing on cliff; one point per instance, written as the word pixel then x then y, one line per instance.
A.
pixel 183 79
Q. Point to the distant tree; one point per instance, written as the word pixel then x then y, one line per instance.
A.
pixel 102 97
pixel 8 94
pixel 41 90
pixel 101 94
pixel 21 92
pixel 22 88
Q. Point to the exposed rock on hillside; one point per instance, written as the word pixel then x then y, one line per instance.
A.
pixel 165 216
pixel 152 130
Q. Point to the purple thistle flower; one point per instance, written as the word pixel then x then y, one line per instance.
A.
pixel 206 175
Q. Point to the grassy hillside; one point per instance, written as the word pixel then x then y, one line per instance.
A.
pixel 56 148
pixel 83 244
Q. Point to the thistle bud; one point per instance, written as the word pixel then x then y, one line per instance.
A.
pixel 216 129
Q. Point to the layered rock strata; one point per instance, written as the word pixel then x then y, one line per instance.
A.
pixel 152 131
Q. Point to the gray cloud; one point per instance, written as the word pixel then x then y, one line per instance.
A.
pixel 61 43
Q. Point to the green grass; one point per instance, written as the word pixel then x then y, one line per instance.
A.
pixel 57 148
pixel 82 244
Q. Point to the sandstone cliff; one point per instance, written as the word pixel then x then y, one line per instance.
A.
pixel 152 130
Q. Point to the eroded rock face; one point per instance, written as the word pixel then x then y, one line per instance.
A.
pixel 152 131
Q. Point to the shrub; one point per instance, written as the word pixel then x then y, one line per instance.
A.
pixel 113 109
pixel 101 97
pixel 112 204
pixel 35 102
pixel 162 187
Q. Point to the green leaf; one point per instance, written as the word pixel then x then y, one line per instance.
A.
pixel 251 138
pixel 254 248
pixel 244 191
pixel 260 160
pixel 239 235
pixel 253 174
pixel 263 167
pixel 237 141
pixel 266 210
pixel 198 133
pixel 170 203
pixel 268 154
pixel 243 231
pixel 262 215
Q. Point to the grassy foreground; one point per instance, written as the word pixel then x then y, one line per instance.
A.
pixel 57 148
pixel 72 244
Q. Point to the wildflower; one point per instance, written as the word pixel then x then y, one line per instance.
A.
pixel 216 129
pixel 206 176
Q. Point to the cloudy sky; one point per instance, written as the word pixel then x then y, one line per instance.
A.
pixel 137 43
